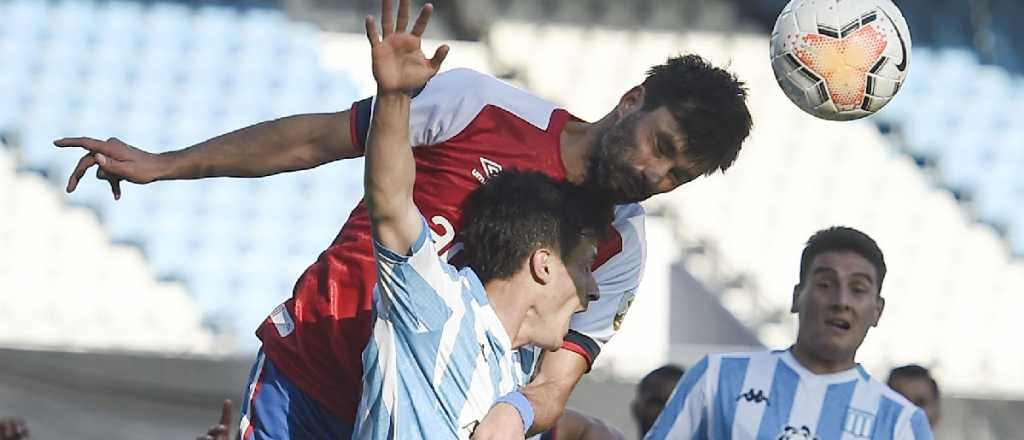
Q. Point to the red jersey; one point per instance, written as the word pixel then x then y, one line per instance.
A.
pixel 465 126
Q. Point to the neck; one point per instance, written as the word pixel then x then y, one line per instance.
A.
pixel 577 140
pixel 818 364
pixel 507 303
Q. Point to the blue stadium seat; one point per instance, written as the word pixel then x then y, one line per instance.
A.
pixel 193 71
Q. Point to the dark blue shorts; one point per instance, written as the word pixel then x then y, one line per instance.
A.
pixel 273 408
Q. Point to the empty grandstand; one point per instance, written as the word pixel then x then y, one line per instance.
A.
pixel 934 177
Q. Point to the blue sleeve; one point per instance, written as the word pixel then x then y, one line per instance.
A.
pixel 683 416
pixel 412 286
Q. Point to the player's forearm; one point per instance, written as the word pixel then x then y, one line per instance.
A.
pixel 288 144
pixel 548 400
pixel 549 391
pixel 390 170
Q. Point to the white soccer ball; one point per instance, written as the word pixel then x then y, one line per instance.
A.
pixel 840 59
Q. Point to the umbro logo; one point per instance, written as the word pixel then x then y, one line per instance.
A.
pixel 754 396
pixel 490 169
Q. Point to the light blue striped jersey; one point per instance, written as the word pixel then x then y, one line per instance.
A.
pixel 438 357
pixel 770 396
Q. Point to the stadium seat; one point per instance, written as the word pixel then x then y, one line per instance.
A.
pixel 63 284
pixel 195 72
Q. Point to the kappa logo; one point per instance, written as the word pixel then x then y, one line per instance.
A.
pixel 490 169
pixel 754 396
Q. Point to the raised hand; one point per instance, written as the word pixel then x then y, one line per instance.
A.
pixel 222 430
pixel 399 64
pixel 117 161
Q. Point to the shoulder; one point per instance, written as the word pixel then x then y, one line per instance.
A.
pixel 746 355
pixel 621 255
pixel 474 90
pixel 740 362
pixel 891 395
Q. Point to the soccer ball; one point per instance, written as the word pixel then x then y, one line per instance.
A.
pixel 840 59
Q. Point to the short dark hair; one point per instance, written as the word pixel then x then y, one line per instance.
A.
pixel 671 373
pixel 913 371
pixel 515 213
pixel 842 239
pixel 708 102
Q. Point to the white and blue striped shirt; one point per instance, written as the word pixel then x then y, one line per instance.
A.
pixel 770 396
pixel 438 357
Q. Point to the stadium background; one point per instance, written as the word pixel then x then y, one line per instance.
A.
pixel 133 319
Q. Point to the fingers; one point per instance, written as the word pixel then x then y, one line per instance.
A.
pixel 84 164
pixel 116 167
pixel 93 145
pixel 387 22
pixel 115 187
pixel 423 20
pixel 439 55
pixel 225 413
pixel 403 16
pixel 371 31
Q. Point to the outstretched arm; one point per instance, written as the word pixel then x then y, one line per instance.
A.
pixel 399 67
pixel 287 144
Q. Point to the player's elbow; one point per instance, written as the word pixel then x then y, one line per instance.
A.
pixel 310 140
pixel 386 204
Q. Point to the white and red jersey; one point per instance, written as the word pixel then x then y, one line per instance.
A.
pixel 465 126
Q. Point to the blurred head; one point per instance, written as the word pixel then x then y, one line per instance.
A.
pixel 917 384
pixel 687 119
pixel 838 297
pixel 652 393
pixel 528 228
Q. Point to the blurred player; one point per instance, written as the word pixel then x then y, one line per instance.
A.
pixel 917 384
pixel 651 394
pixel 13 428
pixel 687 119
pixel 815 389
pixel 444 343
pixel 574 425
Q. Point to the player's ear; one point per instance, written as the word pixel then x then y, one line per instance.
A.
pixel 631 101
pixel 878 311
pixel 540 265
pixel 796 299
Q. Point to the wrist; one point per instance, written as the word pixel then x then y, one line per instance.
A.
pixel 172 165
pixel 521 404
pixel 383 94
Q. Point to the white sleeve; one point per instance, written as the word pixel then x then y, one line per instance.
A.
pixel 450 102
pixel 618 277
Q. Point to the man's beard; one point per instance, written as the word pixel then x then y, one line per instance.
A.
pixel 608 166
